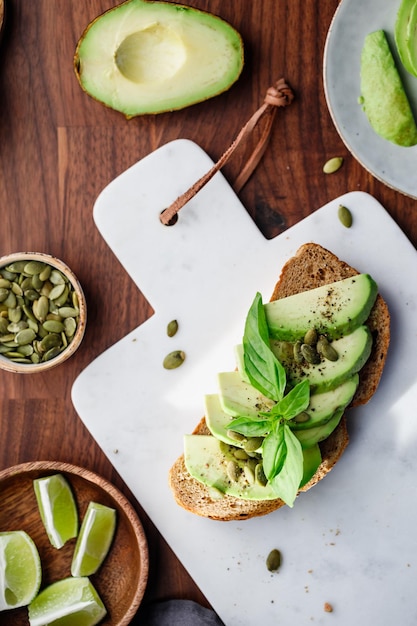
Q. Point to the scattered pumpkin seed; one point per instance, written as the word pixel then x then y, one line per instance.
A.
pixel 233 471
pixel 273 560
pixel 174 359
pixel 260 477
pixel 302 417
pixel 325 348
pixel 172 328
pixel 310 354
pixel 232 434
pixel 345 216
pixel 311 336
pixel 332 165
pixel 252 444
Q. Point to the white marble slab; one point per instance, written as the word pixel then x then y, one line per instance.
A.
pixel 350 541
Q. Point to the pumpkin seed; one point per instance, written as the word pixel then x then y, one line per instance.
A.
pixel 40 308
pixel 273 560
pixel 310 354
pixel 252 444
pixel 332 165
pixel 27 335
pixel 233 471
pixel 297 354
pixel 325 348
pixel 70 326
pixel 249 474
pixel 56 291
pixel 240 454
pixel 5 283
pixel 56 277
pixel 15 315
pixel 260 477
pixel 232 434
pixel 345 216
pixel 174 359
pixel 311 336
pixel 172 328
pixel 68 311
pixel 33 267
pixel 302 417
pixel 53 326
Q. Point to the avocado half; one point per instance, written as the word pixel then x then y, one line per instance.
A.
pixel 143 57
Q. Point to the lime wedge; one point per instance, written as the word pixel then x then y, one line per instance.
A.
pixel 57 508
pixel 94 540
pixel 67 602
pixel 20 569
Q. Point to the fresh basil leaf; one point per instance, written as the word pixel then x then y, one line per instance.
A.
pixel 262 368
pixel 287 482
pixel 294 402
pixel 274 451
pixel 250 427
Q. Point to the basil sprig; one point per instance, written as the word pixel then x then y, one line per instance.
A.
pixel 281 450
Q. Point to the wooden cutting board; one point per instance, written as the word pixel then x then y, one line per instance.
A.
pixel 350 541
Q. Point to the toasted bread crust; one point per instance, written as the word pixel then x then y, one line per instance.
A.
pixel 311 267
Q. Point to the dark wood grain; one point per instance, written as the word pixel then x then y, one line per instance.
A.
pixel 59 148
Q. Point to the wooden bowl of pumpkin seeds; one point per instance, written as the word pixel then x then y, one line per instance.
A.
pixel 42 312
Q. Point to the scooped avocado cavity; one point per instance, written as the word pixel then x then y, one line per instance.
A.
pixel 148 57
pixel 383 97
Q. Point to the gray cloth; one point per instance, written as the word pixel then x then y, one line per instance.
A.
pixel 176 613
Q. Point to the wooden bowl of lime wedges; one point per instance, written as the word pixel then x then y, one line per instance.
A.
pixel 43 312
pixel 71 546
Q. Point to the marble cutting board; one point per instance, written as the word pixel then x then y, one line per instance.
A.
pixel 351 541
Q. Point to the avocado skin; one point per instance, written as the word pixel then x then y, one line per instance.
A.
pixel 383 97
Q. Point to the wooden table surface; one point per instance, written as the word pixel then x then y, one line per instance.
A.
pixel 59 149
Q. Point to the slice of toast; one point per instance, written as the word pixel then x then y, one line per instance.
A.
pixel 312 266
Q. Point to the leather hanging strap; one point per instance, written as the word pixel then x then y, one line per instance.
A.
pixel 276 97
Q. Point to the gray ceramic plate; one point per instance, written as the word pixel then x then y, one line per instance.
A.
pixel 354 19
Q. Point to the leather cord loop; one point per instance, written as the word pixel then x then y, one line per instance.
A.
pixel 278 96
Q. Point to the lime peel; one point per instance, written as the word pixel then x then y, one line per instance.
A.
pixel 20 569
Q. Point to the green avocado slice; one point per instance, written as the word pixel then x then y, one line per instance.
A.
pixel 206 460
pixel 353 351
pixel 383 97
pixel 335 309
pixel 405 35
pixel 144 57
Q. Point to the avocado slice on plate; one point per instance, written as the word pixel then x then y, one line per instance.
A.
pixel 383 97
pixel 406 35
pixel 144 57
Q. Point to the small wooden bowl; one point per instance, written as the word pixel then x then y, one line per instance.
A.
pixel 122 578
pixel 24 368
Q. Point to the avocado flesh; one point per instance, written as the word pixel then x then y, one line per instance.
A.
pixel 206 460
pixel 311 462
pixel 405 35
pixel 146 57
pixel 312 436
pixel 240 398
pixel 237 398
pixel 334 310
pixel 383 97
pixel 353 351
pixel 323 406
